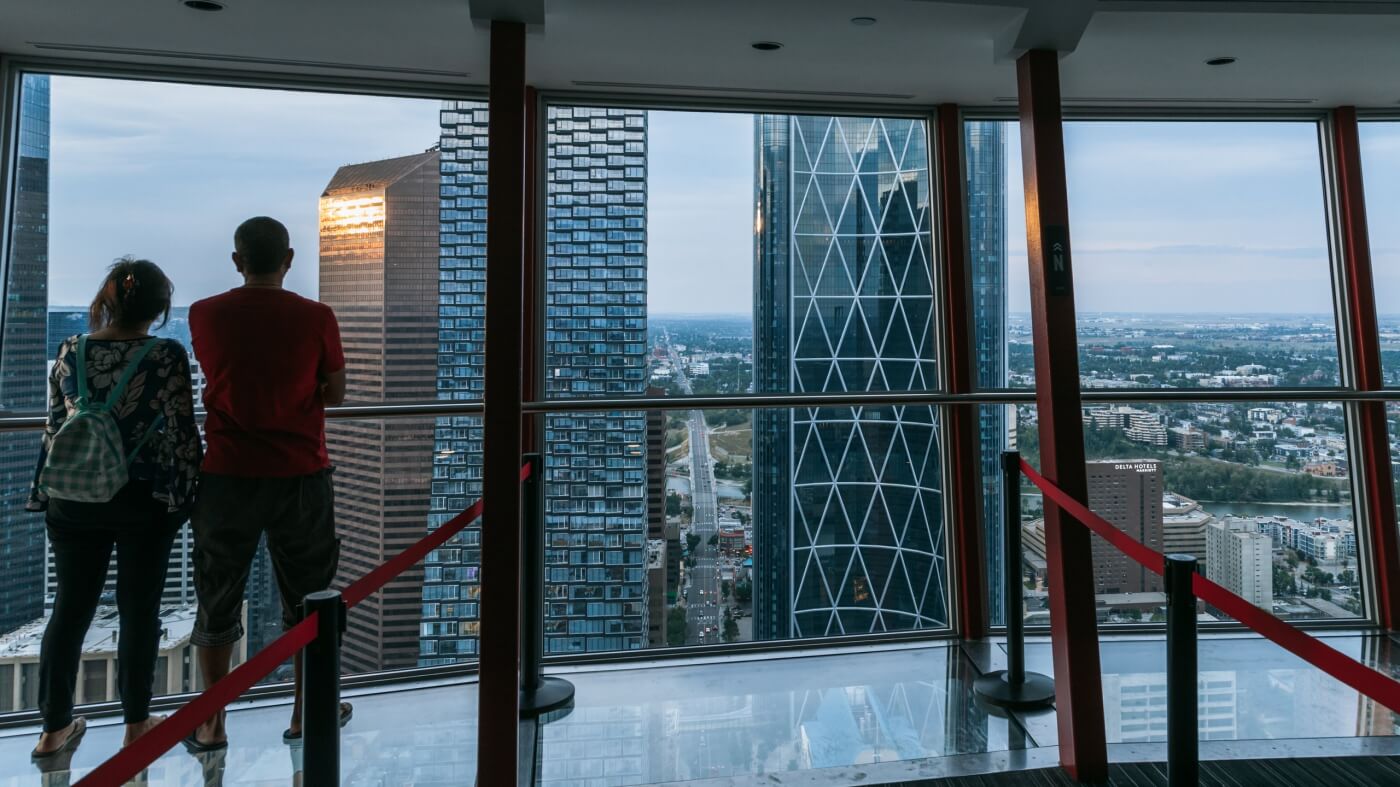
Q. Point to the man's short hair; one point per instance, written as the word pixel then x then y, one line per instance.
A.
pixel 262 244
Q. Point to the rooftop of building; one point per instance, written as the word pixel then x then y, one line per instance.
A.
pixel 176 622
pixel 377 174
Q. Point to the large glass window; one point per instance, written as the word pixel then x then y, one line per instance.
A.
pixel 698 253
pixel 1201 263
pixel 1259 492
pixel 1199 248
pixel 1380 160
pixel 385 213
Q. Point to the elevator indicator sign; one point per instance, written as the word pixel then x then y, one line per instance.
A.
pixel 1055 246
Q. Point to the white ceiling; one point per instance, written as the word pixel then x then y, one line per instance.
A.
pixel 1299 52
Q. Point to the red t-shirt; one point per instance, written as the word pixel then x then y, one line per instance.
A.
pixel 264 353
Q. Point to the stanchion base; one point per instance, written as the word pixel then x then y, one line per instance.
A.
pixel 1038 691
pixel 552 693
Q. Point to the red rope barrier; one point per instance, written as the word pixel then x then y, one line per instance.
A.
pixel 131 760
pixel 1366 680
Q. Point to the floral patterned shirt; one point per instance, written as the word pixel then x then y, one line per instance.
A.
pixel 170 458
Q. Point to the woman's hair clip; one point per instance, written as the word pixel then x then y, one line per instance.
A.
pixel 129 283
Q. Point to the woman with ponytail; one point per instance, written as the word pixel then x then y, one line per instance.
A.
pixel 144 384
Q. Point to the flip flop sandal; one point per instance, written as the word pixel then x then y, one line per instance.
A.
pixel 195 746
pixel 69 743
pixel 347 712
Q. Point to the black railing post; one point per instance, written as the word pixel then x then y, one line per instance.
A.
pixel 1183 724
pixel 538 694
pixel 320 681
pixel 1014 687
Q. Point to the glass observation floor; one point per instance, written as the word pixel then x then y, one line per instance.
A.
pixel 873 715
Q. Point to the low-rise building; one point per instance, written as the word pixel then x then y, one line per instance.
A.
pixel 1240 558
pixel 176 672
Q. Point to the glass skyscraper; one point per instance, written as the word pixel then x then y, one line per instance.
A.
pixel 986 203
pixel 848 509
pixel 24 360
pixel 451 573
pixel 595 345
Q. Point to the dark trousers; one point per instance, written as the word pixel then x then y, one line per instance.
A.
pixel 82 536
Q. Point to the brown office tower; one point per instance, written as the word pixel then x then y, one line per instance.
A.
pixel 379 270
pixel 1128 494
pixel 660 584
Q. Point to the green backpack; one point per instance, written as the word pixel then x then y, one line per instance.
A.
pixel 86 462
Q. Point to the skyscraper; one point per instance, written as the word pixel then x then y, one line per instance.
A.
pixel 848 511
pixel 595 345
pixel 1127 493
pixel 379 266
pixel 451 573
pixel 986 203
pixel 23 360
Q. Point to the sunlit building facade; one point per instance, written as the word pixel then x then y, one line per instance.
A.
pixel 379 271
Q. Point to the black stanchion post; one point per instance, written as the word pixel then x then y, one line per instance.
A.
pixel 320 681
pixel 538 694
pixel 1014 687
pixel 1183 725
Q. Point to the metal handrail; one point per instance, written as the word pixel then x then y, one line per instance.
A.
pixel 31 420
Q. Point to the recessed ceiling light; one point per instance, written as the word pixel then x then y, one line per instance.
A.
pixel 863 21
pixel 1220 61
pixel 203 5
pixel 767 46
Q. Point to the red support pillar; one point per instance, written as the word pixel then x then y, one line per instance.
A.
pixel 499 699
pixel 970 593
pixel 1069 561
pixel 1378 483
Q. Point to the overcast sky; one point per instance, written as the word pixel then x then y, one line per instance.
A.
pixel 1213 217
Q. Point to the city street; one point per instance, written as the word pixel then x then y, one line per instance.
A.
pixel 702 592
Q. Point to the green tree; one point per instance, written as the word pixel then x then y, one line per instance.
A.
pixel 743 592
pixel 714 539
pixel 731 626
pixel 675 627
pixel 692 542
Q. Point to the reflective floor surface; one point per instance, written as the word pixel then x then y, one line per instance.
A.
pixel 877 715
pixel 420 736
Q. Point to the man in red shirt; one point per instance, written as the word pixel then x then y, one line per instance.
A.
pixel 273 362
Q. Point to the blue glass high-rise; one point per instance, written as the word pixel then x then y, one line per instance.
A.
pixel 986 201
pixel 595 345
pixel 23 359
pixel 848 507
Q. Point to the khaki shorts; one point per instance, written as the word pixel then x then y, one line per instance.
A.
pixel 230 514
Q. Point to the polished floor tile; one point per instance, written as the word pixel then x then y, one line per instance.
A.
pixel 785 716
pixel 744 718
pixel 423 736
pixel 1248 689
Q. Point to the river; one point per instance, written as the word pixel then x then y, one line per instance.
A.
pixel 1300 512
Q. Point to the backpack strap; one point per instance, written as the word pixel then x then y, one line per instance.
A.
pixel 155 425
pixel 116 394
pixel 81 368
